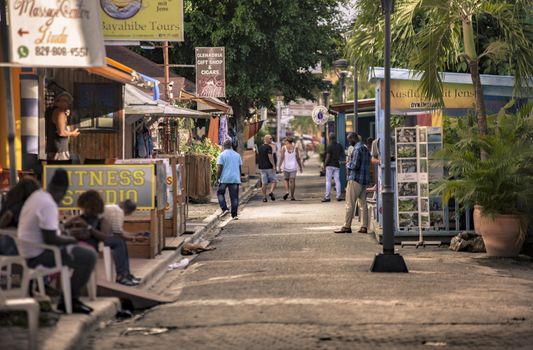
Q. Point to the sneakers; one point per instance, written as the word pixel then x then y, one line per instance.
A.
pixel 265 200
pixel 134 279
pixel 235 217
pixel 340 199
pixel 126 281
pixel 272 196
pixel 325 200
pixel 285 196
pixel 224 213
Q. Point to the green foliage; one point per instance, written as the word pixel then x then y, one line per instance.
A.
pixel 207 148
pixel 304 125
pixel 269 46
pixel 503 183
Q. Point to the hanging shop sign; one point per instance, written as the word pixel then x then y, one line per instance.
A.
pixel 210 72
pixel 320 115
pixel 115 183
pixel 142 20
pixel 55 33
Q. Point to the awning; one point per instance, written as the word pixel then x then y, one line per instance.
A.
pixel 137 102
pixel 213 104
pixel 121 73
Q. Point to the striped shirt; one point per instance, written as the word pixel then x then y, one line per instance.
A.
pixel 358 168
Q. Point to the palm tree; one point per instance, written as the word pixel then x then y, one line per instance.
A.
pixel 430 36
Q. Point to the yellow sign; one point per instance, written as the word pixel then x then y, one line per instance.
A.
pixel 142 20
pixel 406 96
pixel 115 183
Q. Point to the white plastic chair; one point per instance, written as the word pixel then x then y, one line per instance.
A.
pixel 40 272
pixel 17 298
pixel 109 265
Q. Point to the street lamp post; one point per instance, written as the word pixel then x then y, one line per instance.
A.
pixel 355 97
pixel 388 261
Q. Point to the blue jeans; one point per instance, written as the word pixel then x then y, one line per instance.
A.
pixel 233 195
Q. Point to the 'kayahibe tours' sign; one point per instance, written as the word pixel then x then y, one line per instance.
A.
pixel 210 72
pixel 149 20
pixel 115 183
pixel 55 33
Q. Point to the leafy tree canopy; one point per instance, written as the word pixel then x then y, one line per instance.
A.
pixel 269 45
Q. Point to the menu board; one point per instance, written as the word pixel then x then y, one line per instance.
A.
pixel 417 172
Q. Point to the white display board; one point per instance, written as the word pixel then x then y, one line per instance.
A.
pixel 416 172
pixel 53 33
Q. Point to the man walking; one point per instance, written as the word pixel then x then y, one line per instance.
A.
pixel 267 168
pixel 358 169
pixel 229 176
pixel 334 154
pixel 291 162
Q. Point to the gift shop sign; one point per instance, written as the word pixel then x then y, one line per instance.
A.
pixel 115 183
pixel 210 72
pixel 55 33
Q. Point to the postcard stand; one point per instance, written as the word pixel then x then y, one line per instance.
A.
pixel 416 172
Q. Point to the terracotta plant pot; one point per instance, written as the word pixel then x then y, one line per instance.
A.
pixel 501 234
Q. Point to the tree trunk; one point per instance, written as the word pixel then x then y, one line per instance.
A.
pixel 240 114
pixel 481 113
pixel 470 51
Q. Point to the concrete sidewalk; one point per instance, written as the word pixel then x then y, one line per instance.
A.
pixel 70 330
pixel 281 279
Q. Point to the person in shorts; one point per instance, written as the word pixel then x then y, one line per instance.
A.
pixel 267 168
pixel 290 161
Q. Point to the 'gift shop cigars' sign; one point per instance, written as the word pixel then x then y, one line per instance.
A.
pixel 115 183
pixel 210 73
pixel 55 33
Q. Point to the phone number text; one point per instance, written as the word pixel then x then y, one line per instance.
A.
pixel 61 51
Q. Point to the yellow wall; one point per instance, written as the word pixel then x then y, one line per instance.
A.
pixel 4 148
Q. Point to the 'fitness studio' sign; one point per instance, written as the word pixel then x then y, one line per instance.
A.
pixel 114 182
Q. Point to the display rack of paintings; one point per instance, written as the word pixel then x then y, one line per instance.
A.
pixel 417 172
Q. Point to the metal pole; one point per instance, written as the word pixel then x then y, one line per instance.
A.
pixel 355 101
pixel 278 121
pixel 388 261
pixel 167 73
pixel 6 73
pixel 343 95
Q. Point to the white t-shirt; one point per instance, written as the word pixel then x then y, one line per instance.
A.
pixel 115 216
pixel 39 212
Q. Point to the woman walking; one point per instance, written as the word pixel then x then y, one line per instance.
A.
pixel 290 161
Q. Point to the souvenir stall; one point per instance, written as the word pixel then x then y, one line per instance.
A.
pixel 417 134
pixel 151 136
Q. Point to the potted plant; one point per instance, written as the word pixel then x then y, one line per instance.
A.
pixel 500 188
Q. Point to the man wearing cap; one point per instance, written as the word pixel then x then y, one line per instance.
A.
pixel 56 130
pixel 229 165
pixel 358 175
pixel 39 223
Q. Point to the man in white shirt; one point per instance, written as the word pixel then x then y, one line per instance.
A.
pixel 114 214
pixel 39 223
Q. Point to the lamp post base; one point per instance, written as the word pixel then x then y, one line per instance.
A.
pixel 388 263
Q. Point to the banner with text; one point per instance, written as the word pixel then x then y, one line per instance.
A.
pixel 55 33
pixel 210 72
pixel 149 20
pixel 115 183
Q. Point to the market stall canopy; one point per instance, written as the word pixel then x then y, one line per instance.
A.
pixel 207 104
pixel 138 102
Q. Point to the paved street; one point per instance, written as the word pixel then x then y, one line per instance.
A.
pixel 280 279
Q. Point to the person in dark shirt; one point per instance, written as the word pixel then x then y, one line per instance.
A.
pixel 267 168
pixel 334 155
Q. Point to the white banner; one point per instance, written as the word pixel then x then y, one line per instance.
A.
pixel 55 33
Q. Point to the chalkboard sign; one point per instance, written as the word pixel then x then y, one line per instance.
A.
pixel 97 106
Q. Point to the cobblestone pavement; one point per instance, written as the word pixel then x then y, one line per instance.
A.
pixel 280 279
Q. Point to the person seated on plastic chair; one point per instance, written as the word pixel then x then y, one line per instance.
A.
pixel 114 214
pixel 39 223
pixel 91 228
